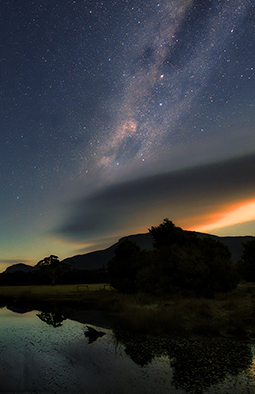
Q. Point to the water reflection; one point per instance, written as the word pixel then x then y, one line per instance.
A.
pixel 54 319
pixel 94 358
pixel 142 350
pixel 93 334
pixel 197 364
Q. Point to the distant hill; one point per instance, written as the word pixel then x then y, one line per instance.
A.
pixel 100 258
pixel 235 244
pixel 19 267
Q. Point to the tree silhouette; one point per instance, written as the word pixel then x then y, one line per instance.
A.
pixel 124 265
pixel 181 263
pixel 52 267
pixel 246 266
pixel 165 234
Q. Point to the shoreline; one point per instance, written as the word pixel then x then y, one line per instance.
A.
pixel 225 315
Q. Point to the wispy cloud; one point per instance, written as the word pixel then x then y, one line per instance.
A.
pixel 239 214
pixel 181 195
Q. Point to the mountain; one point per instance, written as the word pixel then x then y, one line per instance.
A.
pixel 100 258
pixel 235 244
pixel 19 267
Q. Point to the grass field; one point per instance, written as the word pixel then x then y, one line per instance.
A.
pixel 226 314
pixel 230 314
pixel 47 292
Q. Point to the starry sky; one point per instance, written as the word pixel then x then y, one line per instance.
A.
pixel 118 114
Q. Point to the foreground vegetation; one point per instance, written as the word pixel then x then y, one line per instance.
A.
pixel 205 340
pixel 71 293
pixel 180 263
pixel 230 314
pixel 226 314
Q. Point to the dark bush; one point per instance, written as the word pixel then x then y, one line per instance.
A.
pixel 246 265
pixel 181 263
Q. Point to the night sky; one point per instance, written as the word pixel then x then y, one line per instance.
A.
pixel 118 114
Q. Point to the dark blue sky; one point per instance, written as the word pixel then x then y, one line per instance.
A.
pixel 117 114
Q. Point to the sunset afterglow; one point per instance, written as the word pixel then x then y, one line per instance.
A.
pixel 245 212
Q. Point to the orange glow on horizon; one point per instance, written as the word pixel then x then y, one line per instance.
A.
pixel 239 213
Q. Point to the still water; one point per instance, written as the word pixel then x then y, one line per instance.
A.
pixel 45 352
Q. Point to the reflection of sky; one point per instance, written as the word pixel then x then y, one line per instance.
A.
pixel 100 97
pixel 38 357
pixel 8 317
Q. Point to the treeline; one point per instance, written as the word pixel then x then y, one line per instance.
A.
pixel 181 263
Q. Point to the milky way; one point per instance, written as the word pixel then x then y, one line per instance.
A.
pixel 167 91
pixel 106 107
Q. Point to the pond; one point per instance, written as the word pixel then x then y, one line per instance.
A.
pixel 45 352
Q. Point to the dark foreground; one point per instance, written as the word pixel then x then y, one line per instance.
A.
pixel 44 351
pixel 226 315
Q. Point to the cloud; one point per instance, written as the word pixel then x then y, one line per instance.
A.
pixel 15 261
pixel 245 228
pixel 185 196
pixel 244 212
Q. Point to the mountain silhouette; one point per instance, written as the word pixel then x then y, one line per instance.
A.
pixel 19 267
pixel 100 258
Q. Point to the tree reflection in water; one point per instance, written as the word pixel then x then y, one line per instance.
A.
pixel 142 350
pixel 197 364
pixel 54 319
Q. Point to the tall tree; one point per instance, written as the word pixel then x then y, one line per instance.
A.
pixel 165 234
pixel 124 265
pixel 181 263
pixel 190 264
pixel 52 267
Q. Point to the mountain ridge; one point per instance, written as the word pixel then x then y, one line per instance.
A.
pixel 99 258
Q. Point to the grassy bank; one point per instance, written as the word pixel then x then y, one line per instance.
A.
pixel 51 293
pixel 226 314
